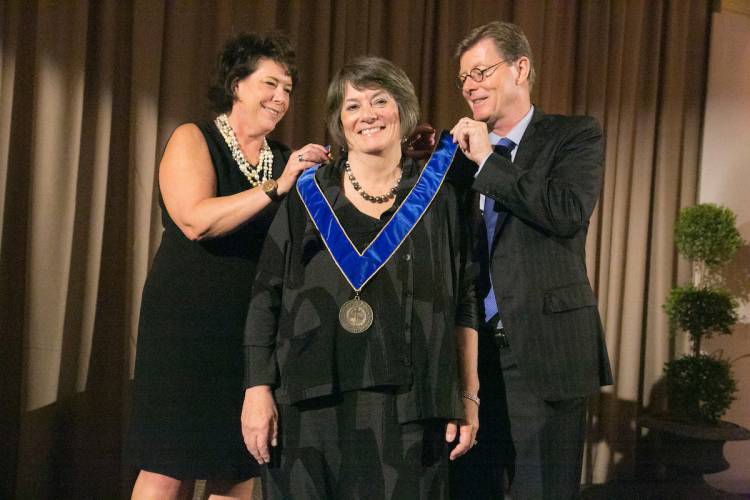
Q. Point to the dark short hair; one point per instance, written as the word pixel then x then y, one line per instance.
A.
pixel 510 41
pixel 239 59
pixel 370 72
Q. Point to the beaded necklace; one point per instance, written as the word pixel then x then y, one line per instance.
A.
pixel 382 198
pixel 255 174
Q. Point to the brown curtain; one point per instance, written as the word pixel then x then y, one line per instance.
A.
pixel 90 91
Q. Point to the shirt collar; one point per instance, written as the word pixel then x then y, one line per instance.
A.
pixel 516 133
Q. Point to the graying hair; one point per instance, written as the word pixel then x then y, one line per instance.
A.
pixel 370 72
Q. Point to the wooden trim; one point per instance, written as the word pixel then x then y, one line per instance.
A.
pixel 736 6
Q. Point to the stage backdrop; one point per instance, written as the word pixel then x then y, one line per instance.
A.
pixel 90 91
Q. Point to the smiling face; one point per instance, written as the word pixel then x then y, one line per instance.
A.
pixel 370 120
pixel 502 98
pixel 263 96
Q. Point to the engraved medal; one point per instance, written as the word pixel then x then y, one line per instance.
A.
pixel 355 315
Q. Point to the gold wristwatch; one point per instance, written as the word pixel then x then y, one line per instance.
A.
pixel 271 187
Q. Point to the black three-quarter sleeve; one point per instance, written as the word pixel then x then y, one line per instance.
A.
pixel 467 308
pixel 263 314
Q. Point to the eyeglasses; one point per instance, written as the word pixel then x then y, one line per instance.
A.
pixel 477 74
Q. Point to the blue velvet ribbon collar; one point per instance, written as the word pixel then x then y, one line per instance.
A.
pixel 358 268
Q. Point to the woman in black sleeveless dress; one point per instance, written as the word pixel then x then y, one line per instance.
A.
pixel 219 184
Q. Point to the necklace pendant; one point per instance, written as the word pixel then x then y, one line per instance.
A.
pixel 355 315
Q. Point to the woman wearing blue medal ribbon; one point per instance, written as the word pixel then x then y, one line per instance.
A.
pixel 361 341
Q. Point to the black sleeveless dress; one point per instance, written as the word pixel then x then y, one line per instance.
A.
pixel 188 388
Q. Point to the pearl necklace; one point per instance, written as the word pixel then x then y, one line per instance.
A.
pixel 382 198
pixel 255 174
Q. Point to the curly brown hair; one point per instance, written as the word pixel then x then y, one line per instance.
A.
pixel 239 59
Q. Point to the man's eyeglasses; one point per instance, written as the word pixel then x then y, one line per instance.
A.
pixel 477 74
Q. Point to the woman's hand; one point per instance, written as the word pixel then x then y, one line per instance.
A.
pixel 467 346
pixel 260 422
pixel 301 159
pixel 466 429
pixel 421 143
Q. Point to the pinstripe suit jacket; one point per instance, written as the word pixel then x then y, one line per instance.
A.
pixel 537 258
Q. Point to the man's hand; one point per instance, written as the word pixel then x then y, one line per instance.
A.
pixel 473 139
pixel 421 143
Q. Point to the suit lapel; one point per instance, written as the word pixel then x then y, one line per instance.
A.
pixel 531 142
pixel 501 218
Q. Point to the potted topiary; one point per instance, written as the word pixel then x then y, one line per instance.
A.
pixel 700 386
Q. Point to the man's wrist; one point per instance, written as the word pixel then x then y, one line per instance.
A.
pixel 481 164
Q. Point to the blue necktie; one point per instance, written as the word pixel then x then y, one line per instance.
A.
pixel 503 148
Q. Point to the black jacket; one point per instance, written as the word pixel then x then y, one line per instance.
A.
pixel 293 340
pixel 538 261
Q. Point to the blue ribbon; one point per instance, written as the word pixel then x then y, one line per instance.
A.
pixel 358 268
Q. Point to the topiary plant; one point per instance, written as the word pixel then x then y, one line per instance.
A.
pixel 706 234
pixel 701 312
pixel 701 387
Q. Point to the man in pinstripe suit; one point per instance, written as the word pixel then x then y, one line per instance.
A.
pixel 542 351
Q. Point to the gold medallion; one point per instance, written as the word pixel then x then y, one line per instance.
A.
pixel 355 315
